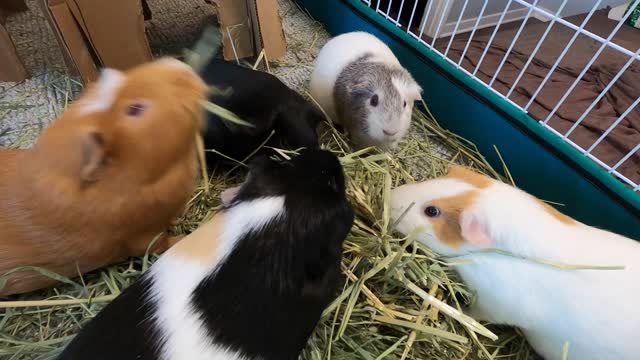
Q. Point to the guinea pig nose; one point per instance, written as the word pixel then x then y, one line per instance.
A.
pixel 389 132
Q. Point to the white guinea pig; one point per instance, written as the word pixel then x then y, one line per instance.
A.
pixel 360 84
pixel 594 310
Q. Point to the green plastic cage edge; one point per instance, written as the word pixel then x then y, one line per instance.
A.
pixel 539 161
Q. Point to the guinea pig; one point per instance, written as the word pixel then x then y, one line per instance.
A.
pixel 263 100
pixel 360 84
pixel 251 283
pixel 96 187
pixel 470 216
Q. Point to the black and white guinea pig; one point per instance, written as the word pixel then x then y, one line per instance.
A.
pixel 262 100
pixel 251 283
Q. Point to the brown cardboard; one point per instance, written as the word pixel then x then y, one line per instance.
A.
pixel 253 25
pixel 11 68
pixel 270 28
pixel 75 47
pixel 115 29
pixel 234 22
pixel 10 6
pixel 98 33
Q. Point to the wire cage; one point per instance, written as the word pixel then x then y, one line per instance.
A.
pixel 552 84
pixel 540 56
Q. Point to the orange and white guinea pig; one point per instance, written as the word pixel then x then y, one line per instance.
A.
pixel 105 178
pixel 594 310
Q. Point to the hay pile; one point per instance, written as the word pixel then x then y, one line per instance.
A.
pixel 392 304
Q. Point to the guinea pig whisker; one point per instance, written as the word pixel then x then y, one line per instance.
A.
pixel 404 213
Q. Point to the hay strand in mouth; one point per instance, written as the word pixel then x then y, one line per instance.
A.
pixel 554 264
pixel 205 49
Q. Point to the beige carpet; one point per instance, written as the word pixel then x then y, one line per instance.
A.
pixel 27 107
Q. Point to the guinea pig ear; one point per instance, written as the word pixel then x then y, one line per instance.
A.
pixel 407 85
pixel 227 195
pixel 473 229
pixel 94 155
pixel 359 92
pixel 414 91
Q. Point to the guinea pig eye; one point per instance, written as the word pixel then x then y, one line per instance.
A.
pixel 404 105
pixel 374 100
pixel 135 109
pixel 432 211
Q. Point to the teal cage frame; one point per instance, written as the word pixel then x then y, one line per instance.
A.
pixel 539 161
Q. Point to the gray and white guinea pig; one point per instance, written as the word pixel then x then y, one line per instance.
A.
pixel 251 283
pixel 359 82
pixel 262 100
pixel 464 214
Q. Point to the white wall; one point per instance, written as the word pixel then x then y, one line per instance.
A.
pixel 572 7
pixel 474 7
pixel 452 8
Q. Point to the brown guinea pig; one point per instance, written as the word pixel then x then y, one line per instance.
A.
pixel 105 178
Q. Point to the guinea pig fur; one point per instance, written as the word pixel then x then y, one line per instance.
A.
pixel 596 311
pixel 262 100
pixel 360 84
pixel 251 283
pixel 105 178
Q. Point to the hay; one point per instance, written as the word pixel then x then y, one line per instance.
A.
pixel 393 303
pixel 398 301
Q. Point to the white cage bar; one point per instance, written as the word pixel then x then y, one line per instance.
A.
pixel 437 24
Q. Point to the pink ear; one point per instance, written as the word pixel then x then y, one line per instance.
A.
pixel 473 231
pixel 415 92
pixel 229 194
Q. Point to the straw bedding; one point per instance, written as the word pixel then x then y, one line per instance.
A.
pixel 391 305
pixel 398 299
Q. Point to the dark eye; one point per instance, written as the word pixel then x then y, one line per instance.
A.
pixel 432 211
pixel 136 109
pixel 404 105
pixel 374 100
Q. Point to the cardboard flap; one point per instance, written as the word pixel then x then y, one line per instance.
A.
pixel 234 22
pixel 115 30
pixel 74 47
pixel 269 28
pixel 249 26
pixel 11 68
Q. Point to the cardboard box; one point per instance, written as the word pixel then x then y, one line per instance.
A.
pixel 98 33
pixel 249 26
pixel 11 68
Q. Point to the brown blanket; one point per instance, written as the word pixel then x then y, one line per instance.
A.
pixel 625 91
